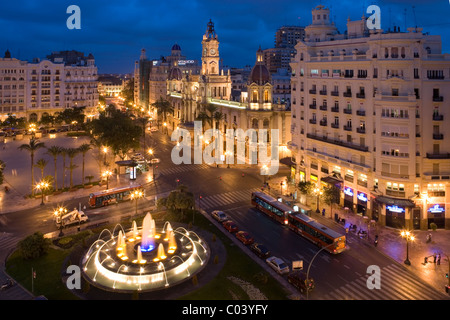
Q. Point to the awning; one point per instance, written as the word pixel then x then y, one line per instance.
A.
pixel 288 161
pixel 397 202
pixel 332 180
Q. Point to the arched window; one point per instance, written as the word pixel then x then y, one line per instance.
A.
pixel 255 123
pixel 255 96
pixel 266 96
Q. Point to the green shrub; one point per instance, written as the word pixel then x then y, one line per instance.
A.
pixel 64 241
pixel 34 246
pixel 433 226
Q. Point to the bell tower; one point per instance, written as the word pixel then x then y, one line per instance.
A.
pixel 210 51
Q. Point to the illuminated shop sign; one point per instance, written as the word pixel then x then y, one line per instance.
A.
pixel 348 191
pixel 362 197
pixel 185 62
pixel 395 209
pixel 436 209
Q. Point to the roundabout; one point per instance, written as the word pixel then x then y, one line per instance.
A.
pixel 144 259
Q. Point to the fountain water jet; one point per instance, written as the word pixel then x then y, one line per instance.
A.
pixel 148 234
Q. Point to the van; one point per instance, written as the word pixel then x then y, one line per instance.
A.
pixel 298 280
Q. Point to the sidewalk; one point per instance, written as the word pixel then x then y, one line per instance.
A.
pixel 390 242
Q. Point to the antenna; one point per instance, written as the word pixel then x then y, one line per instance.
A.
pixel 405 19
pixel 415 19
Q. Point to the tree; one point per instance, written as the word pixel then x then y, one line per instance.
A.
pixel 2 168
pixel 34 246
pixel 70 115
pixel 32 147
pixel 331 195
pixel 164 107
pixel 109 131
pixel 83 149
pixel 142 121
pixel 203 117
pixel 64 155
pixel 47 120
pixel 128 92
pixel 178 201
pixel 41 164
pixel 306 187
pixel 72 153
pixel 55 151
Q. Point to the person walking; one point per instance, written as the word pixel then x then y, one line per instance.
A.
pixel 434 258
pixel 439 259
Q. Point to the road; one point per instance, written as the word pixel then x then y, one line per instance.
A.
pixel 337 277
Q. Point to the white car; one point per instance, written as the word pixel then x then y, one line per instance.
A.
pixel 219 215
pixel 278 265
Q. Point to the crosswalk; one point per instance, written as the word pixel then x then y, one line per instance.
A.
pixel 176 169
pixel 223 199
pixel 8 241
pixel 395 284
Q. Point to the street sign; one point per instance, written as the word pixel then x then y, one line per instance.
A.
pixel 297 265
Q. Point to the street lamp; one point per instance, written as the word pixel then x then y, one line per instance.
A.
pixel 42 186
pixel 135 195
pixel 32 129
pixel 265 173
pixel 409 237
pixel 106 174
pixel 59 213
pixel 105 151
pixel 318 192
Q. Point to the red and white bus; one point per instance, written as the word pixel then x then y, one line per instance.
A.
pixel 300 223
pixel 106 197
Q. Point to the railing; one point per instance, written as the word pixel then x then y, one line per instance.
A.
pixel 347 128
pixel 335 93
pixel 361 95
pixel 438 117
pixel 323 123
pixel 312 121
pixel 313 106
pixel 348 111
pixel 438 98
pixel 312 91
pixel 335 125
pixel 361 113
pixel 347 94
pixel 361 130
pixel 323 108
pixel 395 175
pixel 395 193
pixel 335 109
pixel 438 155
pixel 323 92
pixel 338 142
pixel 438 136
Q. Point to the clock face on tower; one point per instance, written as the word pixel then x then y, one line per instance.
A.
pixel 212 52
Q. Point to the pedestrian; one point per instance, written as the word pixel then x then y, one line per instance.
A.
pixel 323 212
pixel 434 258
pixel 439 259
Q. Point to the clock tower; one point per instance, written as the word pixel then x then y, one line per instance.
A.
pixel 210 51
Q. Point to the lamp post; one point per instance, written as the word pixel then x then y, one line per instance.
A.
pixel 135 195
pixel 265 173
pixel 32 129
pixel 309 267
pixel 42 186
pixel 106 174
pixel 60 212
pixel 409 237
pixel 318 192
pixel 105 151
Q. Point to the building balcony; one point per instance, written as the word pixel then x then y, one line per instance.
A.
pixel 361 130
pixel 438 99
pixel 361 113
pixel 335 93
pixel 395 175
pixel 438 117
pixel 361 95
pixel 394 193
pixel 323 92
pixel 438 155
pixel 323 123
pixel 312 121
pixel 312 91
pixel 348 111
pixel 438 136
pixel 335 125
pixel 347 128
pixel 313 106
pixel 347 94
pixel 335 109
pixel 338 142
pixel 323 108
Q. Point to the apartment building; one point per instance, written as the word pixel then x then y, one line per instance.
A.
pixel 368 115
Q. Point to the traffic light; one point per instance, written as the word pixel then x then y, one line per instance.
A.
pixel 446 275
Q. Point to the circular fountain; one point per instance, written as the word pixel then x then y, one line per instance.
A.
pixel 145 258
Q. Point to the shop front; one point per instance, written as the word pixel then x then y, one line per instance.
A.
pixel 348 198
pixel 361 205
pixel 395 217
pixel 397 211
pixel 436 215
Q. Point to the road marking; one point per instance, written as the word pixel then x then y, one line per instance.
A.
pixel 346 266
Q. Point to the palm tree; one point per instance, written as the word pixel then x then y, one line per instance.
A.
pixel 32 147
pixel 164 107
pixel 72 153
pixel 212 109
pixel 55 151
pixel 41 164
pixel 218 116
pixel 84 148
pixel 203 117
pixel 63 152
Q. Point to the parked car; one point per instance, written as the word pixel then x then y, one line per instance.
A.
pixel 298 280
pixel 219 215
pixel 230 226
pixel 260 250
pixel 155 160
pixel 244 237
pixel 278 265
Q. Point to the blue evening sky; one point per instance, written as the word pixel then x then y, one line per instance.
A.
pixel 115 31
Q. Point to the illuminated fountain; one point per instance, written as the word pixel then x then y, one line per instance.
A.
pixel 145 258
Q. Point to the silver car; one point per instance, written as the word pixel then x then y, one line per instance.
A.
pixel 278 265
pixel 219 215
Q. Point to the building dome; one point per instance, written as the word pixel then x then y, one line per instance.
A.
pixel 259 74
pixel 176 47
pixel 175 74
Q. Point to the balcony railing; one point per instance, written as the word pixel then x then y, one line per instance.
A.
pixel 438 136
pixel 313 106
pixel 335 109
pixel 323 92
pixel 361 95
pixel 312 121
pixel 338 142
pixel 348 111
pixel 438 117
pixel 347 94
pixel 394 193
pixel 361 130
pixel 438 98
pixel 335 93
pixel 361 113
pixel 312 91
pixel 323 123
pixel 323 108
pixel 347 128
pixel 438 155
pixel 335 125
